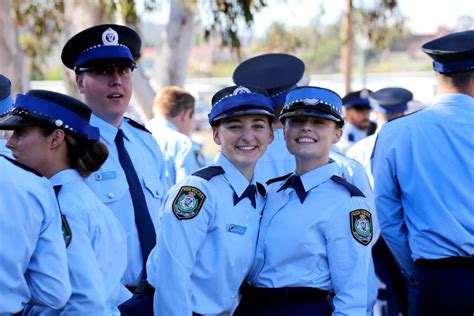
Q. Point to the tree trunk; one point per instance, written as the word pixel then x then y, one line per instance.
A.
pixel 173 57
pixel 346 47
pixel 79 15
pixel 12 59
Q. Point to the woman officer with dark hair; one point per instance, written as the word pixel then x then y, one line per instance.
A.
pixel 52 135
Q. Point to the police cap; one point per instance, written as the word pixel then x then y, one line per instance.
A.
pixel 391 100
pixel 106 45
pixel 276 73
pixel 358 100
pixel 452 53
pixel 239 100
pixel 6 100
pixel 313 101
pixel 42 107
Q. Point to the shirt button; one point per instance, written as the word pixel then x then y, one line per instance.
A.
pixel 157 192
pixel 111 195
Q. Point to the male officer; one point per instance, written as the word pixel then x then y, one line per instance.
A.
pixel 173 122
pixel 387 104
pixel 132 180
pixel 279 74
pixel 6 102
pixel 424 172
pixel 357 115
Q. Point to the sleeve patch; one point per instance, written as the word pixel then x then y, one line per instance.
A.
pixel 188 202
pixel 67 235
pixel 361 226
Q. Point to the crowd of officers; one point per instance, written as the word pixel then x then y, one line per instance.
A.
pixel 310 208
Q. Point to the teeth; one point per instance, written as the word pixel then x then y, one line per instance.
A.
pixel 246 147
pixel 305 140
pixel 115 96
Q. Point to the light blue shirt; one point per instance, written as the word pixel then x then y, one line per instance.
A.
pixel 424 174
pixel 310 244
pixel 3 148
pixel 97 252
pixel 33 264
pixel 199 264
pixel 110 184
pixel 182 158
pixel 362 151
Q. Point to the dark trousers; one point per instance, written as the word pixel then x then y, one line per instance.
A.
pixel 141 303
pixel 283 302
pixel 442 287
pixel 392 299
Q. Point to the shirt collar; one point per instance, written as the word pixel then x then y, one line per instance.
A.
pixel 454 99
pixel 65 176
pixel 318 176
pixel 236 179
pixel 107 130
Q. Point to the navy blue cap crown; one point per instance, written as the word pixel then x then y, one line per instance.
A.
pixel 315 102
pixel 6 99
pixel 452 53
pixel 41 107
pixel 239 100
pixel 276 73
pixel 391 100
pixel 104 45
pixel 358 100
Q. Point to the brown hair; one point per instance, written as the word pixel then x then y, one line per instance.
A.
pixel 171 101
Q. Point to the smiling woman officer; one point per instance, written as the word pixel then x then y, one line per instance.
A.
pixel 52 135
pixel 211 218
pixel 323 223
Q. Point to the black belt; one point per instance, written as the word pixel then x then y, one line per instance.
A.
pixel 450 262
pixel 289 295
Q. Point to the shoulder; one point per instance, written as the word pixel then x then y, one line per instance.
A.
pixel 209 172
pixel 278 179
pixel 401 121
pixel 352 189
pixel 21 166
pixel 136 125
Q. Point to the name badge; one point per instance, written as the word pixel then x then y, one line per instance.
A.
pixel 233 228
pixel 106 176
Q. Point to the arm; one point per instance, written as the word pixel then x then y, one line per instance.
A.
pixel 171 263
pixel 186 160
pixel 389 204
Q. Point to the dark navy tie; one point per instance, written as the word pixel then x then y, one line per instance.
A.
pixel 249 193
pixel 295 183
pixel 146 231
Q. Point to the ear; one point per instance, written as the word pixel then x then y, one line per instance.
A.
pixel 56 138
pixel 337 134
pixel 80 82
pixel 216 136
pixel 272 135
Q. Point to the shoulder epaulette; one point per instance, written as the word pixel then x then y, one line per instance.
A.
pixel 286 176
pixel 353 190
pixel 261 189
pixel 136 124
pixel 209 172
pixel 22 166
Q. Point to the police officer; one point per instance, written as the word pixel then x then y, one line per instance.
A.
pixel 211 218
pixel 387 104
pixel 316 228
pixel 278 74
pixel 423 176
pixel 357 115
pixel 6 102
pixel 52 135
pixel 132 181
pixel 173 122
pixel 33 256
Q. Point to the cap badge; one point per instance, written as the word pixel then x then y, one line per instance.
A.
pixel 240 90
pixel 58 123
pixel 364 94
pixel 310 101
pixel 110 37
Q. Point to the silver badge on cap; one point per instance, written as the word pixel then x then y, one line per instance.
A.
pixel 364 94
pixel 240 90
pixel 58 123
pixel 308 101
pixel 110 37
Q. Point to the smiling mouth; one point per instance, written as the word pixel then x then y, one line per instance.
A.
pixel 305 140
pixel 115 96
pixel 246 148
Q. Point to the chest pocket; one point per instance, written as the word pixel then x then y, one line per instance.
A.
pixel 154 187
pixel 109 185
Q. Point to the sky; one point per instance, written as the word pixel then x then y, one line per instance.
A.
pixel 423 16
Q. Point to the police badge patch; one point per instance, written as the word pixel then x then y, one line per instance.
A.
pixel 67 235
pixel 188 202
pixel 361 226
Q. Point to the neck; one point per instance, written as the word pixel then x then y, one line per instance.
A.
pixel 53 170
pixel 304 165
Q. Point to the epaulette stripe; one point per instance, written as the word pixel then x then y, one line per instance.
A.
pixel 353 190
pixel 278 179
pixel 22 166
pixel 209 172
pixel 136 124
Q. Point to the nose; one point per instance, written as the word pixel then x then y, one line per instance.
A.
pixel 247 134
pixel 114 78
pixel 11 142
pixel 307 126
